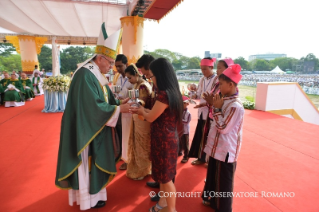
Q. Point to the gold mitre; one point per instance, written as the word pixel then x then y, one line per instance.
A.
pixel 108 45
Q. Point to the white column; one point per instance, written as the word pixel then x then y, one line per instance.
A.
pixel 55 58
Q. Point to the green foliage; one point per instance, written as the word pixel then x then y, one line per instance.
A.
pixel 311 57
pixel 10 63
pixel 71 56
pixel 250 98
pixel 178 61
pixel 249 105
pixel 194 63
pixel 260 65
pixel 243 63
pixel 45 58
pixel 6 49
pixel 284 63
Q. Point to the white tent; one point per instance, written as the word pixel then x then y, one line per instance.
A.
pixel 277 70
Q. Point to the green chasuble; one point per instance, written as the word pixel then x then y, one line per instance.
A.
pixel 28 91
pixel 83 123
pixel 1 88
pixel 5 83
pixel 13 95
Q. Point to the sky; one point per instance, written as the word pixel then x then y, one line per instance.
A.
pixel 238 28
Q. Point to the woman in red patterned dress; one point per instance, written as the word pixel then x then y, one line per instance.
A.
pixel 164 117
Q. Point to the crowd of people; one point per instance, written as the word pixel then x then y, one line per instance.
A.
pixel 17 88
pixel 309 83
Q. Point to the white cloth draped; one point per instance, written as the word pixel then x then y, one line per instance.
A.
pixel 82 196
pixel 14 104
pixel 126 127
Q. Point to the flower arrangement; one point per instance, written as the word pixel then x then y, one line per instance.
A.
pixel 57 83
pixel 249 103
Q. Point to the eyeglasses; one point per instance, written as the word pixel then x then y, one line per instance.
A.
pixel 111 62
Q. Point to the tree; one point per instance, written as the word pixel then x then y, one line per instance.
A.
pixel 284 63
pixel 193 63
pixel 311 57
pixel 260 65
pixel 11 62
pixel 45 58
pixel 242 62
pixel 6 49
pixel 71 56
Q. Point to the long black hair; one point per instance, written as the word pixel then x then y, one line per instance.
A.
pixel 131 70
pixel 166 80
pixel 145 61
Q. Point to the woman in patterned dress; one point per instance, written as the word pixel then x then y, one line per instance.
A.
pixel 164 117
pixel 139 143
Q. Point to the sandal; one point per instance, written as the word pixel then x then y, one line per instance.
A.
pixel 157 206
pixel 197 162
pixel 206 203
pixel 185 160
pixel 123 166
pixel 140 178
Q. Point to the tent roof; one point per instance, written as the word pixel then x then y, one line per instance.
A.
pixel 75 18
pixel 277 70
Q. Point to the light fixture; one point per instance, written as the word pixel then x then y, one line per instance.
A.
pixel 69 42
pixel 4 40
pixel 84 43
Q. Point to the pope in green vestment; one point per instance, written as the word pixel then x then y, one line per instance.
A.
pixel 14 95
pixel 28 87
pixel 89 147
pixel 89 107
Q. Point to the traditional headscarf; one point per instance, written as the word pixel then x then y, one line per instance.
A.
pixel 207 62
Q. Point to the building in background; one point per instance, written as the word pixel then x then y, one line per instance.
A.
pixel 266 56
pixel 213 55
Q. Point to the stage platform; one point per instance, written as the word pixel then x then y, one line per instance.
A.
pixel 278 156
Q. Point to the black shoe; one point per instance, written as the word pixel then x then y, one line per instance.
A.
pixel 152 184
pixel 156 198
pixel 99 204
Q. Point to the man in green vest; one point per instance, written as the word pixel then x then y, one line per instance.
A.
pixel 14 93
pixel 27 85
pixel 88 149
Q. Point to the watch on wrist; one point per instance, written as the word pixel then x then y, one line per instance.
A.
pixel 216 110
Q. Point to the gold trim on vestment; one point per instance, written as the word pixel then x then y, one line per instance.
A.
pixel 106 51
pixel 109 180
pixel 63 188
pixel 104 169
pixel 62 178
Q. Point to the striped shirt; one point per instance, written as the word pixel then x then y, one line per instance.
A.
pixel 225 133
